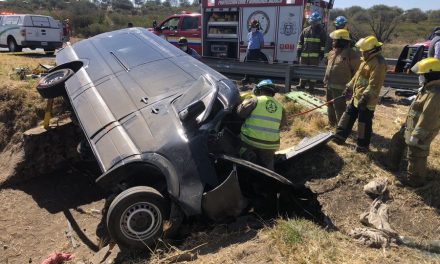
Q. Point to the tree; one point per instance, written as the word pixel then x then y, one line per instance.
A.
pixel 434 15
pixel 414 15
pixel 122 4
pixel 383 20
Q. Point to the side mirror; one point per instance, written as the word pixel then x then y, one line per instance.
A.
pixel 192 112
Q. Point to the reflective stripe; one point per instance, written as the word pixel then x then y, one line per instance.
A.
pixel 267 118
pixel 264 129
pixel 310 55
pixel 414 113
pixel 322 48
pixel 262 144
pixel 299 46
pixel 312 40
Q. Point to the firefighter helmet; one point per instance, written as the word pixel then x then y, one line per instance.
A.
pixel 426 66
pixel 314 17
pixel 368 43
pixel 267 85
pixel 340 22
pixel 254 24
pixel 340 34
pixel 182 41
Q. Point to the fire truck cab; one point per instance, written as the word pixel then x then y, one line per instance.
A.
pixel 186 24
pixel 225 26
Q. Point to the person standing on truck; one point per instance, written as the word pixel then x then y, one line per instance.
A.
pixel 255 43
pixel 311 46
pixel 365 86
pixel 343 62
pixel 260 132
pixel 434 46
pixel 421 127
pixel 183 45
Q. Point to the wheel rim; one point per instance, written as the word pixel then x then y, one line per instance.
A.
pixel 141 221
pixel 53 78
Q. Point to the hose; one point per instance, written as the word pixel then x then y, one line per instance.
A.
pixel 319 106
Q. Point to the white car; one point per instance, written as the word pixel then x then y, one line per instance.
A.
pixel 30 31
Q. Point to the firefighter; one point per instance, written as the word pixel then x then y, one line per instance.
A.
pixel 183 45
pixel 340 22
pixel 421 127
pixel 260 132
pixel 343 62
pixel 255 43
pixel 434 46
pixel 311 46
pixel 365 86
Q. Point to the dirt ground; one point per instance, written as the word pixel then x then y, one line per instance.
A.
pixel 59 212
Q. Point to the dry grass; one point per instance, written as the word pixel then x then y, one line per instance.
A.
pixel 21 107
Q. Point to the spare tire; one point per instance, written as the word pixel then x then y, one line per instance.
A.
pixel 52 85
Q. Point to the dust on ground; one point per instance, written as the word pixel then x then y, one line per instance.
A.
pixel 36 213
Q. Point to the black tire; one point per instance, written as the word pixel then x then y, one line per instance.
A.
pixel 13 47
pixel 136 216
pixel 52 85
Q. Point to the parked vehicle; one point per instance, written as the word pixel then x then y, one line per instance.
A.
pixel 30 31
pixel 411 54
pixel 163 128
pixel 186 24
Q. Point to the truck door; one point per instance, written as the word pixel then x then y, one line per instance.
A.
pixel 191 29
pixel 169 29
pixel 290 27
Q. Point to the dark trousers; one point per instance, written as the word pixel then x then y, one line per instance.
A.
pixel 336 109
pixel 365 125
pixel 253 55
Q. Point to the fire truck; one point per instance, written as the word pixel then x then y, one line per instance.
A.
pixel 221 30
pixel 225 26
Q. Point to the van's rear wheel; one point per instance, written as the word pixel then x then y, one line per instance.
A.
pixel 136 216
pixel 52 85
pixel 13 47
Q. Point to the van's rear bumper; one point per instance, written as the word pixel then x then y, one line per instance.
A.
pixel 47 45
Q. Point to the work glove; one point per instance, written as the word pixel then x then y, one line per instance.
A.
pixel 321 56
pixel 362 105
pixel 347 93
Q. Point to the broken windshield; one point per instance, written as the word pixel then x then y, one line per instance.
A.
pixel 204 89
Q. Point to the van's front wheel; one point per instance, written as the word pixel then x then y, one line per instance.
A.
pixel 136 216
pixel 12 45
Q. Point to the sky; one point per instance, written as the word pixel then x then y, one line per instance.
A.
pixel 404 4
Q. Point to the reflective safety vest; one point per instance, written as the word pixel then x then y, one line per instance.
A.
pixel 262 128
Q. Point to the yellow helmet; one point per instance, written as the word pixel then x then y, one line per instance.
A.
pixel 368 43
pixel 426 65
pixel 340 34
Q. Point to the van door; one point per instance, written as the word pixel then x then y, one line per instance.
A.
pixel 169 29
pixel 42 29
pixel 191 29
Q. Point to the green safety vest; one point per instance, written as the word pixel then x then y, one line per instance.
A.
pixel 262 128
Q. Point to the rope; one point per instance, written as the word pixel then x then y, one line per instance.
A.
pixel 319 106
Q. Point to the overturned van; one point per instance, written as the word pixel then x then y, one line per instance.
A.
pixel 162 127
